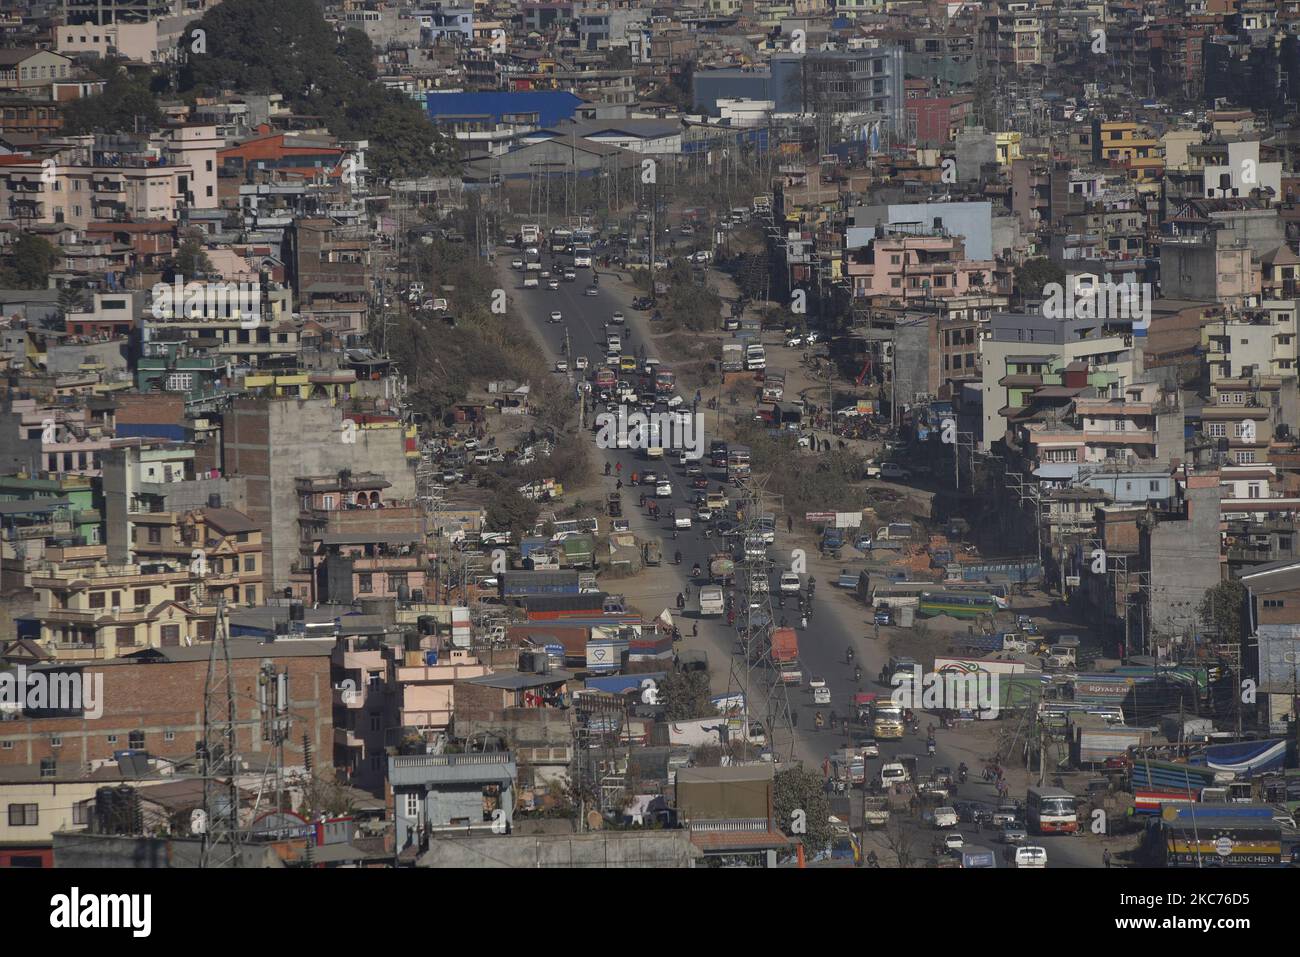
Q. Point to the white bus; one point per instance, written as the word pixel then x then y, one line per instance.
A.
pixel 1051 811
pixel 582 257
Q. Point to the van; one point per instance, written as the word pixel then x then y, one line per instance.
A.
pixel 613 343
pixel 682 518
pixel 712 601
pixel 891 774
pixel 1026 856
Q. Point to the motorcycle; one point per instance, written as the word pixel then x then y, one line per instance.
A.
pixel 695 571
pixel 929 747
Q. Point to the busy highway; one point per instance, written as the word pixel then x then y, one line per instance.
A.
pixel 836 623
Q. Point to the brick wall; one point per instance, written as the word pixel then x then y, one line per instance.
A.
pixel 167 697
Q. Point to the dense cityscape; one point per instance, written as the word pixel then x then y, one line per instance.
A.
pixel 810 435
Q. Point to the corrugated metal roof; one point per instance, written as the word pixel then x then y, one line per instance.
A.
pixel 551 106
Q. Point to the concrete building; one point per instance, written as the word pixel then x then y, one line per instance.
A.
pixel 272 442
pixel 454 793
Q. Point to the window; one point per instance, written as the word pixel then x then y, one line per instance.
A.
pixel 170 635
pixel 126 637
pixel 169 735
pixel 364 584
pixel 7 745
pixel 155 535
pixel 375 722
pixel 250 563
pixel 141 597
pixel 56 741
pixel 183 594
pixel 1153 486
pixel 250 595
pixel 1274 602
pixel 1217 430
pixel 412 806
pixel 135 740
pixel 395 582
pixel 96 599
pixel 112 739
pixel 23 815
pixel 82 810
pixel 1284 543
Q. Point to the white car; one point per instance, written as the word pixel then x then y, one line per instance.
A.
pixel 789 583
pixel 816 682
pixel 580 363
pixel 703 514
pixel 553 285
pixel 546 274
pixel 869 749
pixel 561 366
pixel 557 316
pixel 516 264
pixel 570 275
pixel 945 817
pixel 591 291
pixel 953 842
pixel 664 490
pixel 618 318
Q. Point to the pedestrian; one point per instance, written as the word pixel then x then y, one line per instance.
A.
pixel 789 524
pixel 695 630
pixel 1105 857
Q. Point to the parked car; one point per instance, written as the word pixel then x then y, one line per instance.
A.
pixel 893 472
pixel 883 617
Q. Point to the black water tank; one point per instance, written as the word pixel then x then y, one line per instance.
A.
pixel 410 641
pixel 403 594
pixel 427 624
pixel 214 500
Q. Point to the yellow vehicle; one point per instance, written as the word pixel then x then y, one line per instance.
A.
pixel 627 364
pixel 886 721
pixel 715 501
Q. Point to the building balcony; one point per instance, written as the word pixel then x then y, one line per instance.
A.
pixel 345 738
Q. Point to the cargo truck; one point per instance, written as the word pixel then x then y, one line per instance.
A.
pixel 733 357
pixel 722 568
pixel 785 655
pixel 875 811
pixel 579 551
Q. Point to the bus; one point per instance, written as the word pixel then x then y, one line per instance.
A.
pixel 956 604
pixel 529 233
pixel 737 462
pixel 1051 811
pixel 886 721
pixel 665 381
pixel 582 257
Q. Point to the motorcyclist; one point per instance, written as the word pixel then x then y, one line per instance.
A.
pixel 872 860
pixel 642 500
pixel 677 558
pixel 695 570
pixel 962 771
pixel 608 468
pixel 848 655
pixel 681 600
pixel 619 485
pixel 857 673
pixel 819 721
pixel 929 746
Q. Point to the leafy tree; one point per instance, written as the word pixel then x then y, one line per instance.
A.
pixel 126 101
pixel 1223 609
pixel 31 260
pixel 191 257
pixel 285 46
pixel 685 695
pixel 799 798
pixel 511 510
pixel 1033 275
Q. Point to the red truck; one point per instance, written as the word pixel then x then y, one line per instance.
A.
pixel 785 655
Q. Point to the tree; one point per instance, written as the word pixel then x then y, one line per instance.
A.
pixel 70 300
pixel 801 808
pixel 31 260
pixel 685 695
pixel 125 105
pixel 1223 610
pixel 1033 276
pixel 510 510
pixel 285 46
pixel 191 258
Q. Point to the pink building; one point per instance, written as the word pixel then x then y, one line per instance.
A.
pixel 919 264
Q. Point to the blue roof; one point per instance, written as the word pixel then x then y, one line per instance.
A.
pixel 552 106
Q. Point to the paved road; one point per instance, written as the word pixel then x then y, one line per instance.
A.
pixel 837 621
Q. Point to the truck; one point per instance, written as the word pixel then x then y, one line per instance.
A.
pixel 894 532
pixel 853 762
pixel 518 584
pixel 529 234
pixel 651 553
pixel 974 856
pixel 755 357
pixel 712 601
pixel 615 507
pixel 773 387
pixel 578 551
pixel 1095 745
pixel 875 811
pixel 714 731
pixel 785 655
pixel 722 568
pixel 733 357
